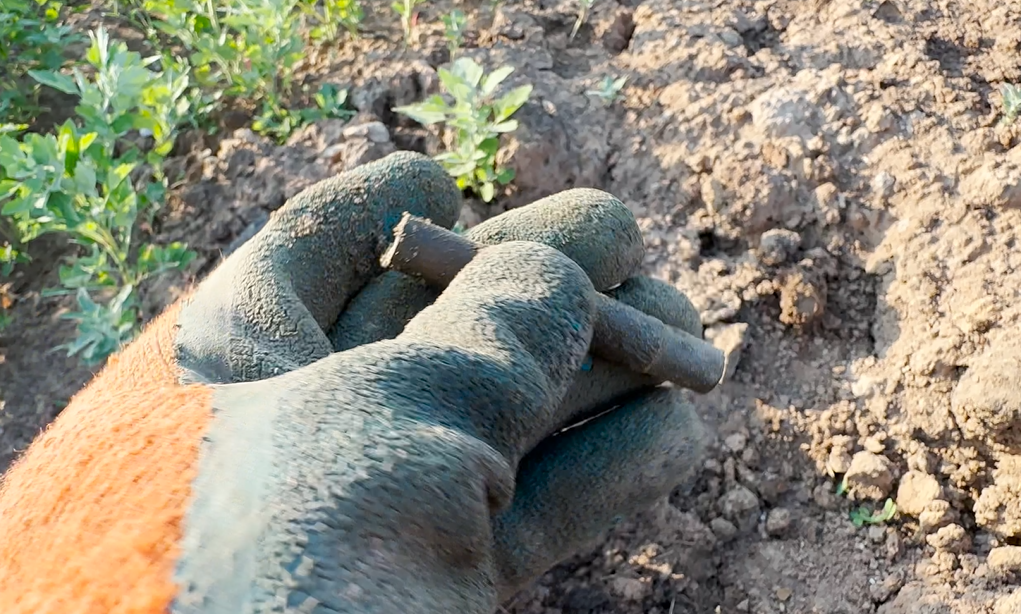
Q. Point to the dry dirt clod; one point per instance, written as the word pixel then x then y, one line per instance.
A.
pixel 632 589
pixel 916 491
pixel 802 298
pixel 937 513
pixel 840 454
pixel 951 538
pixel 870 476
pixel 740 506
pixel 881 591
pixel 987 399
pixel 375 131
pixel 736 442
pixel 998 508
pixel 731 339
pixel 723 529
pixel 1005 559
pixel 778 521
pixel 778 245
pixel 1010 604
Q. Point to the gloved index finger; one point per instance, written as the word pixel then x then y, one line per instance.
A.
pixel 265 310
pixel 622 334
pixel 591 227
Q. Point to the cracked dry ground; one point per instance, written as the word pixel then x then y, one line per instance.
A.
pixel 830 184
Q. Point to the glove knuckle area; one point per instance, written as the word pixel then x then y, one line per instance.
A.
pixel 517 300
pixel 591 227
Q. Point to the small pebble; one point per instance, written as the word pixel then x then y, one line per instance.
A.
pixel 376 132
pixel 776 246
pixel 778 521
pixel 736 442
pixel 723 529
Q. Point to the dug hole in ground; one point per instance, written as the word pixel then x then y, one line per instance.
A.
pixel 828 181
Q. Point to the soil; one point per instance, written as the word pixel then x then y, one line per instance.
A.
pixel 829 182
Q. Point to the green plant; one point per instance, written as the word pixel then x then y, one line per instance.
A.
pixel 408 12
pixel 346 13
pixel 478 122
pixel 31 38
pixel 330 102
pixel 239 48
pixel 453 30
pixel 249 49
pixel 1011 102
pixel 584 7
pixel 609 89
pixel 92 180
pixel 863 515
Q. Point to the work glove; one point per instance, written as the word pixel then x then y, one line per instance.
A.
pixel 306 432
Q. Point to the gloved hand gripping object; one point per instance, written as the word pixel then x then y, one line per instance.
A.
pixel 307 432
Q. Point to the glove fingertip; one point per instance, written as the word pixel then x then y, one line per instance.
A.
pixel 591 227
pixel 661 301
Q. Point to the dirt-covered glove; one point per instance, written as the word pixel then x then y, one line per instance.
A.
pixel 230 460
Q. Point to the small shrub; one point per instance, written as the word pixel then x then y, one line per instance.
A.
pixel 236 48
pixel 31 38
pixel 453 30
pixel 92 180
pixel 478 122
pixel 330 102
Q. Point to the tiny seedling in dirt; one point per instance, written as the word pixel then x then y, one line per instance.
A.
pixel 608 89
pixel 478 122
pixel 863 515
pixel 842 487
pixel 453 30
pixel 408 12
pixel 584 7
pixel 1011 102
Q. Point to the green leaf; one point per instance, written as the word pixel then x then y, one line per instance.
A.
pixel 16 206
pixel 57 81
pixel 454 83
pixel 122 124
pixel 490 146
pixel 487 192
pixel 511 102
pixel 494 79
pixel 509 125
pixel 505 176
pixel 468 70
pixel 421 114
pixel 465 168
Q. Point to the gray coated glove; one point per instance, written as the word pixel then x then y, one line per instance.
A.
pixel 381 447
